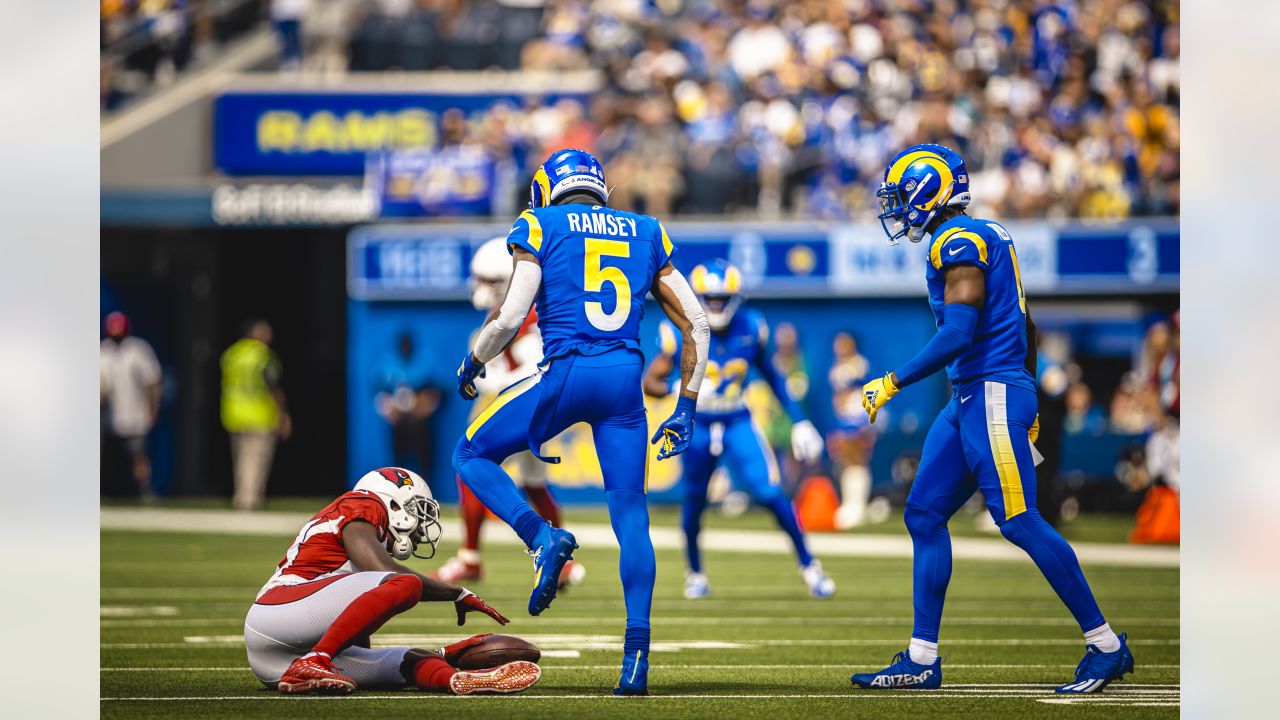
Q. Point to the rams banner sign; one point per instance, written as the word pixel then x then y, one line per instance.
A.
pixel 330 133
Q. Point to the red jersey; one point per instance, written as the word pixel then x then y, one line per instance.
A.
pixel 318 551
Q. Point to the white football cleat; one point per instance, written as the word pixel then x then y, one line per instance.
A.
pixel 696 586
pixel 819 583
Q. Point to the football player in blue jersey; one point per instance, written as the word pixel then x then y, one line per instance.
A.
pixel 739 345
pixel 983 438
pixel 589 267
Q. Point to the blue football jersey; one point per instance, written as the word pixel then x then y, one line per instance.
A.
pixel 730 357
pixel 597 265
pixel 1000 340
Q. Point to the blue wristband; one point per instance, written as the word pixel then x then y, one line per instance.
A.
pixel 687 404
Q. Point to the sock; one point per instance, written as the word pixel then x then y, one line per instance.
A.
pixel 495 489
pixel 530 527
pixel 433 674
pixel 931 569
pixel 544 503
pixel 637 638
pixel 313 653
pixel 469 556
pixel 785 512
pixel 922 652
pixel 1057 562
pixel 695 503
pixel 370 611
pixel 473 512
pixel 629 514
pixel 1103 637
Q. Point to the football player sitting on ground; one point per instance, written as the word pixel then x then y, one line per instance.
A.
pixel 490 275
pixel 309 628
pixel 982 439
pixel 739 344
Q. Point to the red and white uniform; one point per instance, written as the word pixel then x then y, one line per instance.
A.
pixel 318 552
pixel 311 586
pixel 518 361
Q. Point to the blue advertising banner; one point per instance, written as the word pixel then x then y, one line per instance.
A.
pixel 793 260
pixel 277 132
pixel 454 181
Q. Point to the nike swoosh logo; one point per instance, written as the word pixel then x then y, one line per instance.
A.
pixel 955 250
pixel 965 399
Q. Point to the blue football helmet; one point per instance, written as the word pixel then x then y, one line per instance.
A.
pixel 918 183
pixel 565 171
pixel 719 286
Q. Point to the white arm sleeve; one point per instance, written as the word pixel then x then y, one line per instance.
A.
pixel 701 330
pixel 494 336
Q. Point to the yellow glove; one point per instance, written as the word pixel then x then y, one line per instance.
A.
pixel 1034 432
pixel 876 393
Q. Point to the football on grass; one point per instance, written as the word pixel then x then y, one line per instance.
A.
pixel 496 650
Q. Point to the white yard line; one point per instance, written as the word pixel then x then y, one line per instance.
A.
pixel 220 643
pixel 601 536
pixel 691 622
pixel 996 692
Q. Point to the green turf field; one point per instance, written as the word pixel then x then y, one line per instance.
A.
pixel 173 608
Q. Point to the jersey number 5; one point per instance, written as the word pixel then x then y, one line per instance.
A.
pixel 596 275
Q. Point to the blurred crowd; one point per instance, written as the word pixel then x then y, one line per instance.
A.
pixel 148 43
pixel 1063 108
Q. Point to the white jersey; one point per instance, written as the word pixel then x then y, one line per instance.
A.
pixel 127 370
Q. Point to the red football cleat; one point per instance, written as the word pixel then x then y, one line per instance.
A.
pixel 314 674
pixel 509 678
pixel 457 571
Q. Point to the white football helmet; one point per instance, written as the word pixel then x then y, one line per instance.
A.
pixel 414 514
pixel 490 273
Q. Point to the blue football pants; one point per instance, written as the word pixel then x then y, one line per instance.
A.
pixel 979 442
pixel 604 392
pixel 752 465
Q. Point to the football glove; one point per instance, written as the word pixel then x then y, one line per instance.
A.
pixel 1034 432
pixel 468 371
pixel 676 433
pixel 451 652
pixel 806 442
pixel 876 393
pixel 470 602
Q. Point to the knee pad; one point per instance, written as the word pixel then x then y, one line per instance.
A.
pixel 769 495
pixel 462 452
pixel 921 522
pixel 1025 524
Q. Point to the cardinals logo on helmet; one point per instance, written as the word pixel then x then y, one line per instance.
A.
pixel 397 476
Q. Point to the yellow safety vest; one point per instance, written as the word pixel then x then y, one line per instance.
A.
pixel 247 402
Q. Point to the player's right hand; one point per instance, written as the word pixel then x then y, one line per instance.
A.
pixel 468 371
pixel 677 432
pixel 470 602
pixel 876 393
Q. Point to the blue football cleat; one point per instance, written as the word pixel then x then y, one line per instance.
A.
pixel 548 560
pixel 696 586
pixel 1097 669
pixel 820 584
pixel 635 674
pixel 903 674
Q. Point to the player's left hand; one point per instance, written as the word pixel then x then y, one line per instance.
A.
pixel 677 432
pixel 876 393
pixel 806 442
pixel 470 602
pixel 1034 432
pixel 451 652
pixel 468 371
